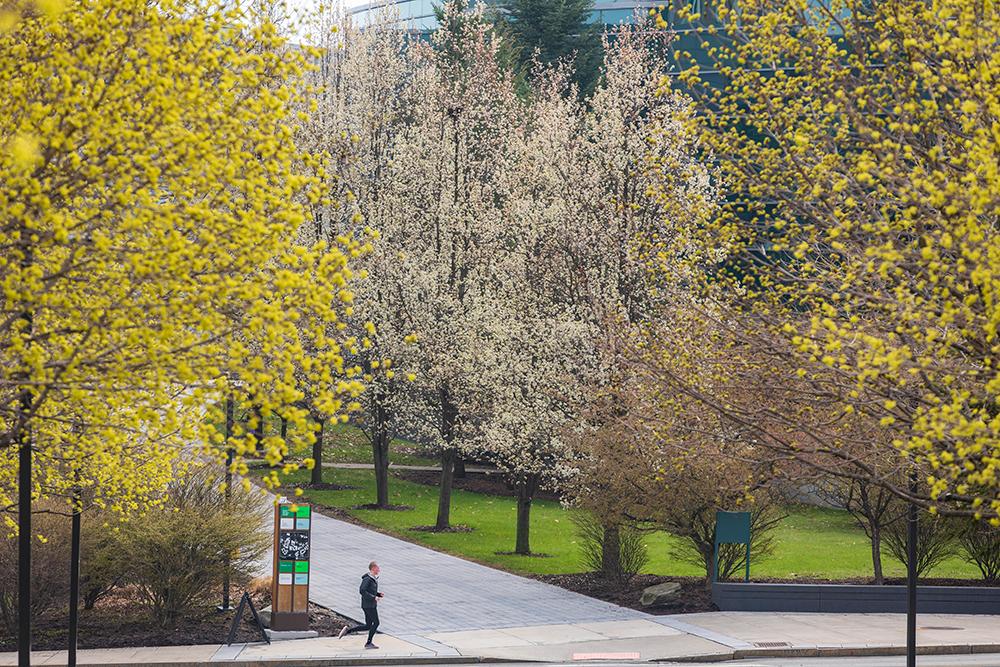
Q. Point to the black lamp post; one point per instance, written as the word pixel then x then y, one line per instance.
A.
pixel 24 454
pixel 911 575
pixel 230 408
pixel 74 574
pixel 24 535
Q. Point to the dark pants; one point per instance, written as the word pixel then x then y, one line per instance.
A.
pixel 371 623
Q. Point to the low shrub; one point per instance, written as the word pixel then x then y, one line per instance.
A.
pixel 937 539
pixel 49 568
pixel 104 561
pixel 179 554
pixel 596 539
pixel 980 544
pixel 260 587
pixel 696 526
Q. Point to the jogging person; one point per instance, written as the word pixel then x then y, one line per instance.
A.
pixel 369 604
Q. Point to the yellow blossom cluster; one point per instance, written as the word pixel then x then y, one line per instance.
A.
pixel 151 195
pixel 860 145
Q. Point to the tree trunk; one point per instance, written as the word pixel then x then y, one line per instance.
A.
pixel 317 471
pixel 524 497
pixel 380 451
pixel 284 428
pixel 444 492
pixel 869 506
pixel 611 550
pixel 258 430
pixel 459 467
pixel 876 541
pixel 380 447
pixel 709 559
pixel 449 415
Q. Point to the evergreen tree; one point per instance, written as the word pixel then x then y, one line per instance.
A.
pixel 556 30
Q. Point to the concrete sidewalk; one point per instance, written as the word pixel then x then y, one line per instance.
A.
pixel 693 637
pixel 428 591
pixel 440 608
pixel 322 650
pixel 734 635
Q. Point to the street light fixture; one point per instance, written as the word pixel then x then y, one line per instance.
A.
pixel 233 384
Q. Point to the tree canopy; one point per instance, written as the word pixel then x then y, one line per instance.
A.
pixel 552 31
pixel 151 195
pixel 857 143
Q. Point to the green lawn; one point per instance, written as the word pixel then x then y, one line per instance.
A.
pixel 346 443
pixel 811 542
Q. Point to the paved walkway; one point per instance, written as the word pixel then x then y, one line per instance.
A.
pixel 393 466
pixel 746 635
pixel 427 591
pixel 445 609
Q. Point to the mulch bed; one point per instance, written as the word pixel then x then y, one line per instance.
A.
pixel 383 508
pixel 457 528
pixel 120 621
pixel 693 597
pixel 533 554
pixel 328 486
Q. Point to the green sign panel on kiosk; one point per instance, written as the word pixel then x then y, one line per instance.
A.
pixel 292 547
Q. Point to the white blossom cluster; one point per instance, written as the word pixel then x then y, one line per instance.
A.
pixel 516 231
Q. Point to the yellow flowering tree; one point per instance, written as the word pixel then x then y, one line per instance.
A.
pixel 151 195
pixel 859 144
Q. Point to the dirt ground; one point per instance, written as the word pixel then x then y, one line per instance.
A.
pixel 120 621
pixel 692 599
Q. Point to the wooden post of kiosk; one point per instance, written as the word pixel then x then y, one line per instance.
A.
pixel 290 585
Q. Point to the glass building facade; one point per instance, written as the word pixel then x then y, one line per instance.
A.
pixel 418 15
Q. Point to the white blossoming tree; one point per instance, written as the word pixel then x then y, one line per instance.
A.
pixel 362 92
pixel 590 227
pixel 452 227
pixel 578 268
pixel 418 137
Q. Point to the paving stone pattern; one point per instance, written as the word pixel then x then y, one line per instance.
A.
pixel 427 591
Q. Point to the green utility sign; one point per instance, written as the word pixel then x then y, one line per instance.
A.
pixel 731 528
